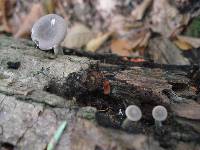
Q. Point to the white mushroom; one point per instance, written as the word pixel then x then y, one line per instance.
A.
pixel 159 114
pixel 133 114
pixel 49 31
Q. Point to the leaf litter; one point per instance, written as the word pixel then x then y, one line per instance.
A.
pixel 123 27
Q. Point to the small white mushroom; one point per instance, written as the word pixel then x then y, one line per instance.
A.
pixel 49 31
pixel 133 114
pixel 159 114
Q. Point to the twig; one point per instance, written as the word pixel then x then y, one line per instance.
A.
pixel 56 137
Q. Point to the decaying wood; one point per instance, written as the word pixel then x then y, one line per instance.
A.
pixel 38 92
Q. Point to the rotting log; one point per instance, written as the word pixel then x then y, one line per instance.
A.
pixel 91 92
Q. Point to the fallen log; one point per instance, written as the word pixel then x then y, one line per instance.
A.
pixel 92 91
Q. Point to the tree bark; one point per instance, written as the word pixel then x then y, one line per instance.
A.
pixel 91 92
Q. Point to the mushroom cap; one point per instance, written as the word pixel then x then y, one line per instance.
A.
pixel 159 113
pixel 49 31
pixel 133 113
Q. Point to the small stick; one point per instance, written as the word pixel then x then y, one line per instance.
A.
pixel 53 142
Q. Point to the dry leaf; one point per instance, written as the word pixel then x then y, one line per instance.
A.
pixel 133 25
pixel 117 24
pixel 140 40
pixel 3 11
pixel 35 13
pixel 94 44
pixel 182 45
pixel 165 18
pixel 138 13
pixel 187 43
pixel 105 7
pixel 49 6
pixel 62 9
pixel 78 36
pixel 121 47
pixel 145 40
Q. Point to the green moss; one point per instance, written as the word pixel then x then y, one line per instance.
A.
pixel 87 113
pixel 193 29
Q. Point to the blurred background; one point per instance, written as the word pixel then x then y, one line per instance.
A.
pixel 162 31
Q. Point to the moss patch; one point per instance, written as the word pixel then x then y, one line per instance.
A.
pixel 193 29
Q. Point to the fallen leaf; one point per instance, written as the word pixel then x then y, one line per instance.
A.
pixel 163 51
pixel 165 18
pixel 121 47
pixel 78 36
pixel 117 25
pixel 138 13
pixel 184 20
pixel 106 7
pixel 187 43
pixel 133 25
pixel 140 40
pixel 3 11
pixel 144 40
pixel 182 45
pixel 94 44
pixel 62 9
pixel 49 6
pixel 35 13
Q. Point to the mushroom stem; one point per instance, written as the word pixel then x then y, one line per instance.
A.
pixel 58 50
pixel 128 124
pixel 158 124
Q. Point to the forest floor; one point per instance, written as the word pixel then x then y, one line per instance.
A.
pixel 116 54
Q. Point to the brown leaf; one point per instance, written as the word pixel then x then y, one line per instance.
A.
pixel 3 11
pixel 182 45
pixel 138 42
pixel 138 13
pixel 190 110
pixel 121 47
pixel 187 43
pixel 35 13
pixel 78 36
pixel 49 5
pixel 94 44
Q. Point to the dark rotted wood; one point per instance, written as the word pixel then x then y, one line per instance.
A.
pixel 144 84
